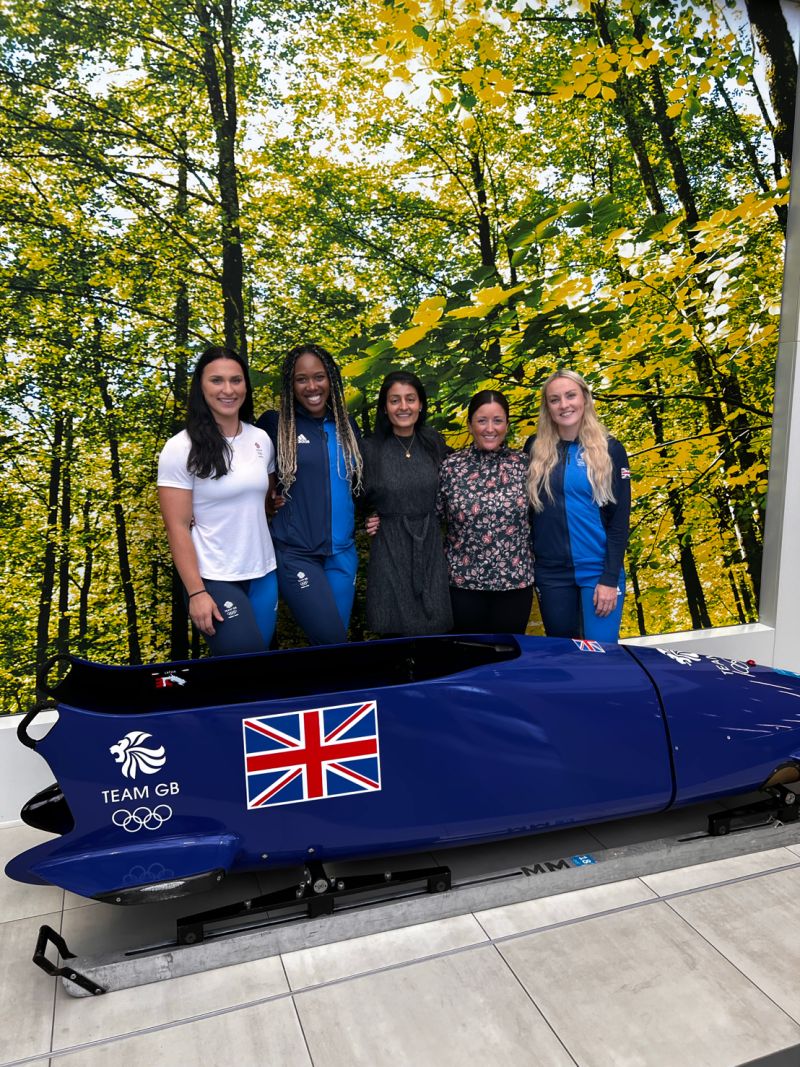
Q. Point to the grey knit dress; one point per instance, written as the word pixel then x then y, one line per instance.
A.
pixel 407 582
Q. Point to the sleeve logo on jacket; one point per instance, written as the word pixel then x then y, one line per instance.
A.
pixel 624 472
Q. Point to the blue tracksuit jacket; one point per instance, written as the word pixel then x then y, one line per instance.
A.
pixel 318 517
pixel 574 539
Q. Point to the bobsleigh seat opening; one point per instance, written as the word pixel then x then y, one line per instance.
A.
pixel 230 680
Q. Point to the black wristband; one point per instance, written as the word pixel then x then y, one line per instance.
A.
pixel 199 591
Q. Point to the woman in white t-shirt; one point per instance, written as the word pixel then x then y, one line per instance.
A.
pixel 213 480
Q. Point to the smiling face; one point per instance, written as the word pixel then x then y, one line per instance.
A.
pixel 488 426
pixel 403 406
pixel 566 404
pixel 224 389
pixel 312 386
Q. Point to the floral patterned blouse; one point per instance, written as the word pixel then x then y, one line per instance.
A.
pixel 484 501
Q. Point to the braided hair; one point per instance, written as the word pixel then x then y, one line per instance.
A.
pixel 210 454
pixel 287 427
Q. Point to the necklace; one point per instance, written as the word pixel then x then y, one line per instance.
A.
pixel 406 448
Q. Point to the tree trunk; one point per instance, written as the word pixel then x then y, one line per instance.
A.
pixel 62 632
pixel 723 390
pixel 47 584
pixel 179 625
pixel 485 241
pixel 695 595
pixel 666 131
pixel 625 106
pixel 775 41
pixel 637 595
pixel 223 105
pixel 86 579
pixel 120 527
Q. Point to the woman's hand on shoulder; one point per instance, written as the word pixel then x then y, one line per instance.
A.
pixel 372 524
pixel 203 611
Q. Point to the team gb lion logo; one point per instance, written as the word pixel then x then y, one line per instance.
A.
pixel 131 752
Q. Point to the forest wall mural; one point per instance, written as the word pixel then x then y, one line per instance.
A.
pixel 479 190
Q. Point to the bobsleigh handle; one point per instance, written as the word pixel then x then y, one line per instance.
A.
pixel 41 686
pixel 44 670
pixel 22 728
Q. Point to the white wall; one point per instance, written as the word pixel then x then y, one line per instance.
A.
pixel 23 772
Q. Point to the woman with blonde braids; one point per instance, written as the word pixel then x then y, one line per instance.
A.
pixel 580 493
pixel 319 467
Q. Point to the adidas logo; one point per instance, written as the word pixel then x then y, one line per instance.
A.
pixel 302 439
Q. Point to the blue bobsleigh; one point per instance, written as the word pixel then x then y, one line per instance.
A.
pixel 170 776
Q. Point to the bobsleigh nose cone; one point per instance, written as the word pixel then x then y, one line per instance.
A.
pixel 784 774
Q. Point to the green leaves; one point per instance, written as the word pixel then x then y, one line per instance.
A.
pixel 488 220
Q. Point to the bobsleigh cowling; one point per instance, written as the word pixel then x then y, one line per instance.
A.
pixel 170 776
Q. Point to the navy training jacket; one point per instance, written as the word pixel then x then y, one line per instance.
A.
pixel 572 534
pixel 318 516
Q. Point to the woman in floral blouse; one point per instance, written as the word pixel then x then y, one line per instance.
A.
pixel 484 501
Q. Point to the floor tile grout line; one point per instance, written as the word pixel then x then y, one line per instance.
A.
pixel 444 953
pixel 302 1031
pixel 55 984
pixel 36 915
pixel 735 966
pixel 657 898
pixel 296 1011
pixel 540 1010
pixel 242 1006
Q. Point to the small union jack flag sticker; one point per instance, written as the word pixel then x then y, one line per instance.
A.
pixel 313 754
pixel 587 646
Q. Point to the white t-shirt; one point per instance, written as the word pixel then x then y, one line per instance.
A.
pixel 229 529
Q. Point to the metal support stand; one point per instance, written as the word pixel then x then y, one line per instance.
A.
pixel 47 935
pixel 317 894
pixel 779 807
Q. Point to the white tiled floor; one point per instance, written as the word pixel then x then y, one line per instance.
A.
pixel 697 966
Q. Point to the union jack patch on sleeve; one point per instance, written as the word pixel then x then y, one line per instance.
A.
pixel 624 472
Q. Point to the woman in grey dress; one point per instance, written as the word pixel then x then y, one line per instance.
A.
pixel 407 581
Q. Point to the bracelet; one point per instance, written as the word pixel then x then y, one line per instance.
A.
pixel 199 591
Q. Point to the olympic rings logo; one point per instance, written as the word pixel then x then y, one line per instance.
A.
pixel 147 818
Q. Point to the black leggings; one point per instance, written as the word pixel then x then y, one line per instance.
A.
pixel 489 611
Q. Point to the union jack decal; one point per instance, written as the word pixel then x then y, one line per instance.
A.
pixel 587 646
pixel 312 754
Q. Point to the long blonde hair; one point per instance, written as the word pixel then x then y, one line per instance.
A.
pixel 592 437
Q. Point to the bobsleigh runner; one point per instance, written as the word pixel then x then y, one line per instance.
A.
pixel 171 777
